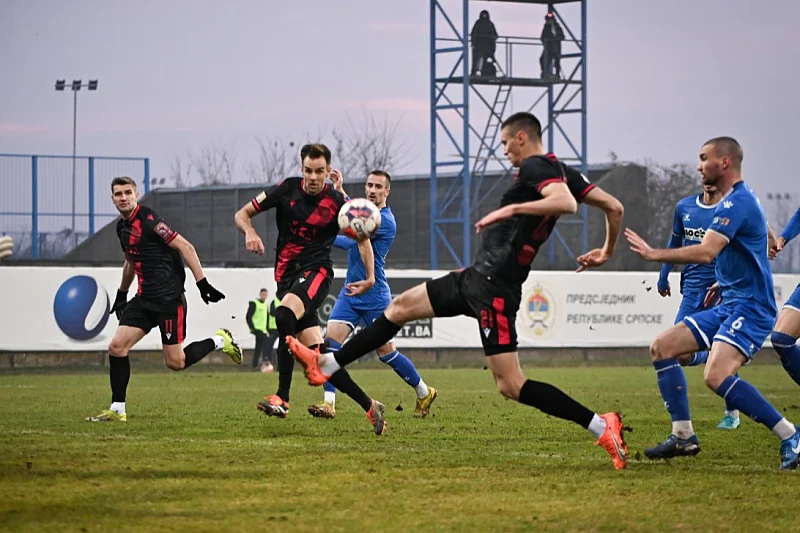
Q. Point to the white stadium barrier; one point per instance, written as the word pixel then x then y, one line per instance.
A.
pixel 66 309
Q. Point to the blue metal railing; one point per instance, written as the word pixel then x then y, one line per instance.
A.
pixel 36 198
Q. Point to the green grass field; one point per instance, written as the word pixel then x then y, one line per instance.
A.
pixel 195 455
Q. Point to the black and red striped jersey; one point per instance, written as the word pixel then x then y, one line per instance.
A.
pixel 145 239
pixel 509 246
pixel 307 226
pixel 579 185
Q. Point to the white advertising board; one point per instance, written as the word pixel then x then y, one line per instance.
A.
pixel 66 309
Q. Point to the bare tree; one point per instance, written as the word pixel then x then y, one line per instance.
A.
pixel 276 158
pixel 179 174
pixel 666 186
pixel 215 165
pixel 369 143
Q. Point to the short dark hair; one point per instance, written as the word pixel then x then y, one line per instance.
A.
pixel 525 122
pixel 314 151
pixel 263 290
pixel 728 147
pixel 122 180
pixel 384 174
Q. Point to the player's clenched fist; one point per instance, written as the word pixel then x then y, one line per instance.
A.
pixel 253 243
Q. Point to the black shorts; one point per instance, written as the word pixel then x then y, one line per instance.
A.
pixel 312 287
pixel 469 293
pixel 170 318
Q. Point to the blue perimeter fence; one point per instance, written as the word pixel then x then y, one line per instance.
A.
pixel 36 199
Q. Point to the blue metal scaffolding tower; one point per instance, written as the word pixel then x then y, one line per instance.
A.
pixel 465 140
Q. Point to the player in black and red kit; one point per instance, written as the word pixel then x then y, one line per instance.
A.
pixel 154 253
pixel 490 289
pixel 306 213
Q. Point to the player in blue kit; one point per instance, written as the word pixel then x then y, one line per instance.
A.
pixel 693 215
pixel 352 310
pixel 787 329
pixel 738 239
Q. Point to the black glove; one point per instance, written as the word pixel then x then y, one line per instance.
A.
pixel 208 293
pixel 119 304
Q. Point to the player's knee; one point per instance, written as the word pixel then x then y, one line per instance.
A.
pixel 657 350
pixel 285 318
pixel 713 377
pixel 398 310
pixel 173 364
pixel 509 388
pixel 117 348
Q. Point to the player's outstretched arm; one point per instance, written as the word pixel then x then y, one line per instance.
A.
pixel 614 212
pixel 189 254
pixel 557 201
pixel 343 242
pixel 244 223
pixel 368 258
pixel 121 300
pixel 128 274
pixel 675 241
pixel 703 253
pixel 791 231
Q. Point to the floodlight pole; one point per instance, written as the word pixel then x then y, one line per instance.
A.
pixel 74 150
pixel 76 85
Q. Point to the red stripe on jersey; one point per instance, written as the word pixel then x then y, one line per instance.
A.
pixel 181 323
pixel 503 333
pixel 548 181
pixel 585 191
pixel 318 279
pixel 133 240
pixel 326 209
pixel 288 253
pixel 255 204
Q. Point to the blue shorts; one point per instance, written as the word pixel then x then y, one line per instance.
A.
pixel 345 312
pixel 743 324
pixel 691 304
pixel 794 300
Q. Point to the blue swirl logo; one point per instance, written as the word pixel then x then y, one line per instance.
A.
pixel 81 308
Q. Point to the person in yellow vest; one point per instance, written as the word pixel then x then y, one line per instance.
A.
pixel 258 320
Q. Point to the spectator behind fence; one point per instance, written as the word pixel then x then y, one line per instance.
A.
pixel 483 36
pixel 261 322
pixel 550 60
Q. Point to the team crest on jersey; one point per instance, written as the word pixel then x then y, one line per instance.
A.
pixel 540 311
pixel 163 231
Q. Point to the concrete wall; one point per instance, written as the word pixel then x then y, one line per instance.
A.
pixel 205 217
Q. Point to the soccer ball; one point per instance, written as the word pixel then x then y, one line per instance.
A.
pixel 359 219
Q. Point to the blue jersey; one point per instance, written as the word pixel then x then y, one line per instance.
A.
pixel 692 219
pixel 381 242
pixel 743 269
pixel 792 229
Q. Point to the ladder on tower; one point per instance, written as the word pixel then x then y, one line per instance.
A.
pixel 486 149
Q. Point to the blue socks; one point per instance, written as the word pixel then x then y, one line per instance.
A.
pixel 401 364
pixel 334 347
pixel 742 396
pixel 403 367
pixel 699 358
pixel 789 353
pixel 672 384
